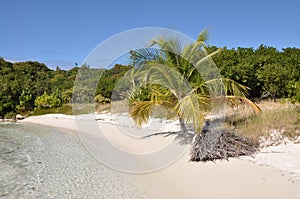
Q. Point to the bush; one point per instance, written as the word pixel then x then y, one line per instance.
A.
pixel 99 99
pixel 10 115
pixel 294 92
pixel 48 101
pixel 67 96
pixel 24 102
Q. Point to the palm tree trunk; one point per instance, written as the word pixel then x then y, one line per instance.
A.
pixel 184 130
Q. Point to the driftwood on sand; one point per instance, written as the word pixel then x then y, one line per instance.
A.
pixel 212 145
pixel 213 142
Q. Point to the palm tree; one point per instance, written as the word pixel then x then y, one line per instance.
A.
pixel 167 74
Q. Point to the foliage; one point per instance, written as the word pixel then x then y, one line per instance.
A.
pixel 85 84
pixel 263 70
pixel 99 99
pixel 24 102
pixel 48 101
pixel 22 82
pixel 10 115
pixel 67 96
pixel 294 92
pixel 166 77
pixel 83 94
pixel 109 78
pixel 266 71
pixel 64 109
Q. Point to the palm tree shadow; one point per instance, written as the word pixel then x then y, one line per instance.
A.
pixel 182 139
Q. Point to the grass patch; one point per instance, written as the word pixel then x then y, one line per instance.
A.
pixel 68 109
pixel 283 119
pixel 64 109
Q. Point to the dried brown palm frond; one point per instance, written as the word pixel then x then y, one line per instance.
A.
pixel 223 144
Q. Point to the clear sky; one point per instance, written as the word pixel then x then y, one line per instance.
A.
pixel 62 32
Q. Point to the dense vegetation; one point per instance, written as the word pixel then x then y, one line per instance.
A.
pixel 26 85
pixel 265 70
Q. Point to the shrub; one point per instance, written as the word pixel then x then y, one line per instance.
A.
pixel 99 99
pixel 48 101
pixel 294 92
pixel 24 102
pixel 10 115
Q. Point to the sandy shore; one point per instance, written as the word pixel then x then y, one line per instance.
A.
pixel 43 162
pixel 272 173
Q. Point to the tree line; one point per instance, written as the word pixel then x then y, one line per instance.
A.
pixel 267 71
pixel 26 85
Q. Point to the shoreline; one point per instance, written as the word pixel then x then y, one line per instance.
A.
pixel 39 161
pixel 244 177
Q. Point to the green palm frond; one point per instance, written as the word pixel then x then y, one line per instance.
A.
pixel 188 108
pixel 234 88
pixel 172 45
pixel 141 111
pixel 203 36
pixel 234 93
pixel 225 86
pixel 199 47
pixel 204 101
pixel 207 57
pixel 143 99
pixel 168 77
pixel 140 56
pixel 171 48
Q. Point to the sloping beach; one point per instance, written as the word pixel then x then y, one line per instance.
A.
pixel 272 173
pixel 43 162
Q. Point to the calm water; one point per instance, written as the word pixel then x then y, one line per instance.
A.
pixel 42 162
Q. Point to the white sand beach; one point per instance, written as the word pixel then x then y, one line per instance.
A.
pixel 272 173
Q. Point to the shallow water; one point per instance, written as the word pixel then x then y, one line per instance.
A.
pixel 42 162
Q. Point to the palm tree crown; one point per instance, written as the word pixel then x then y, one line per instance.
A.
pixel 182 80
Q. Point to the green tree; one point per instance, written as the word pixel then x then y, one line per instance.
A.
pixel 24 102
pixel 48 101
pixel 8 85
pixel 21 79
pixel 294 92
pixel 83 95
pixel 108 79
pixel 67 96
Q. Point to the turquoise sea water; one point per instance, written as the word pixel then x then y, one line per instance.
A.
pixel 42 162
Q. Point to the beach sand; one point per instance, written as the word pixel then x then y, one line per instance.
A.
pixel 272 173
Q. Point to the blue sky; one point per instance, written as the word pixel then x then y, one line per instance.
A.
pixel 62 32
